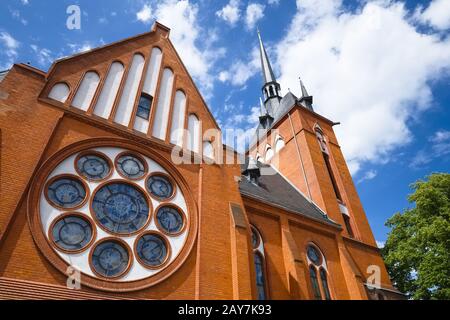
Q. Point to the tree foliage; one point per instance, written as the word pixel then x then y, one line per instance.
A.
pixel 417 251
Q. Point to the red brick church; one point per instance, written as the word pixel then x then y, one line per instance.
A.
pixel 95 206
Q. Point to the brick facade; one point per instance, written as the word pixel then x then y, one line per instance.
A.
pixel 220 264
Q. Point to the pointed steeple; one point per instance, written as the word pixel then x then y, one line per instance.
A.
pixel 306 99
pixel 271 88
pixel 266 67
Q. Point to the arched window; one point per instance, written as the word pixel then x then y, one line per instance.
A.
pixel 318 268
pixel 269 153
pixel 163 108
pixel 315 283
pixel 60 92
pixel 279 143
pixel 326 157
pixel 178 117
pixel 271 91
pixel 86 91
pixel 259 259
pixel 130 91
pixel 323 278
pixel 208 150
pixel 194 133
pixel 108 95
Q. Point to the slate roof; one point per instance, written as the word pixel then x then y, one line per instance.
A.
pixel 275 190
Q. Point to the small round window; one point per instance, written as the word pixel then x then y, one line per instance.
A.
pixel 152 250
pixel 131 166
pixel 170 219
pixel 93 166
pixel 160 186
pixel 72 232
pixel 121 208
pixel 111 258
pixel 314 255
pixel 66 192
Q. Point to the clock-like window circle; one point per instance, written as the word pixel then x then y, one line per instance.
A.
pixel 66 192
pixel 93 166
pixel 152 250
pixel 131 166
pixel 160 186
pixel 121 208
pixel 72 232
pixel 170 219
pixel 110 258
pixel 314 255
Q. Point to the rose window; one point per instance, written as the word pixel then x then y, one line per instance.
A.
pixel 116 215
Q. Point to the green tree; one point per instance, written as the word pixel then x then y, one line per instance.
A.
pixel 417 251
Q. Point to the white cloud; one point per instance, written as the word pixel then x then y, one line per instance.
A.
pixel 254 13
pixel 240 71
pixel 437 14
pixel 439 146
pixel 9 47
pixel 145 14
pixel 194 44
pixel 369 175
pixel 370 70
pixel 273 2
pixel 16 15
pixel 80 48
pixel 230 13
pixel 44 56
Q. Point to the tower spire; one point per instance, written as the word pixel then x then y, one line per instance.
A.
pixel 265 63
pixel 306 99
pixel 271 88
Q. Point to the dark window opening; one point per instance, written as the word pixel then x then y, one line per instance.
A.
pixel 145 104
pixel 271 91
pixel 323 278
pixel 348 225
pixel 315 283
pixel 260 276
pixel 333 180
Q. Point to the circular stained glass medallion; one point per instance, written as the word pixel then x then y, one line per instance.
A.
pixel 314 255
pixel 170 220
pixel 152 250
pixel 66 192
pixel 110 258
pixel 160 186
pixel 93 166
pixel 131 166
pixel 120 208
pixel 72 233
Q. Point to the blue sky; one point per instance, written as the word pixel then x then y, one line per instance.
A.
pixel 381 68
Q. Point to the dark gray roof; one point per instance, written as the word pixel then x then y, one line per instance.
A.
pixel 3 74
pixel 286 104
pixel 275 190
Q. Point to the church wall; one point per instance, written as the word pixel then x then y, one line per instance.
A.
pixel 26 127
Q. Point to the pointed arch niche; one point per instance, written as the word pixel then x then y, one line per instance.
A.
pixel 108 95
pixel 142 120
pixel 163 108
pixel 130 90
pixel 194 133
pixel 178 118
pixel 86 91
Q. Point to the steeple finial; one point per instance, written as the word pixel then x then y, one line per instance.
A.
pixel 265 63
pixel 306 99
